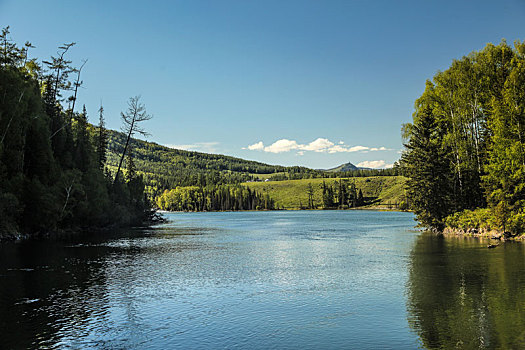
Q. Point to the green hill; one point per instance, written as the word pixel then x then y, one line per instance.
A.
pixel 385 191
pixel 165 168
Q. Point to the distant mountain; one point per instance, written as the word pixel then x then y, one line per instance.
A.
pixel 345 167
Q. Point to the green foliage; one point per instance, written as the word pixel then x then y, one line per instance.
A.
pixel 101 140
pixel 427 167
pixel 293 194
pixel 166 168
pixel 211 198
pixel 481 219
pixel 475 142
pixel 49 176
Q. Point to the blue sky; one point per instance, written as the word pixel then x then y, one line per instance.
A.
pixel 314 83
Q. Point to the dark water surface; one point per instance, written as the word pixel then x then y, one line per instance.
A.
pixel 259 280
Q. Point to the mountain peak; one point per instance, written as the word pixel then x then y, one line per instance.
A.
pixel 343 167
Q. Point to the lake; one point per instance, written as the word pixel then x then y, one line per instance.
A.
pixel 262 280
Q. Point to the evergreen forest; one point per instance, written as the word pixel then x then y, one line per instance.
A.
pixel 53 174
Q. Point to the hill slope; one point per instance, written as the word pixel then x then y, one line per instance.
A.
pixel 343 167
pixel 291 194
pixel 165 168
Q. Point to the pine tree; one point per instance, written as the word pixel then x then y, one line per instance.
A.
pixel 427 166
pixel 82 153
pixel 102 139
pixel 310 193
pixel 360 200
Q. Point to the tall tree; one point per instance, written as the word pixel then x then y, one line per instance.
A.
pixel 11 55
pixel 427 165
pixel 83 148
pixel 102 139
pixel 310 193
pixel 60 69
pixel 505 178
pixel 131 120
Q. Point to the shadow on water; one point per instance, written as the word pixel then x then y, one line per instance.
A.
pixel 268 280
pixel 55 292
pixel 463 295
pixel 35 276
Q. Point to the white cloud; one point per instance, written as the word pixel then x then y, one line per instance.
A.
pixel 259 146
pixel 357 149
pixel 282 145
pixel 320 145
pixel 375 164
pixel 337 148
pixel 208 147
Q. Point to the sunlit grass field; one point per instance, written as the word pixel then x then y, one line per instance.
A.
pixel 292 194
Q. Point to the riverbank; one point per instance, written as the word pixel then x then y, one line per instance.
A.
pixel 7 236
pixel 364 208
pixel 484 222
pixel 483 233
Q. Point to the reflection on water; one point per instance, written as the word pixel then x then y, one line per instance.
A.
pixel 317 279
pixel 463 295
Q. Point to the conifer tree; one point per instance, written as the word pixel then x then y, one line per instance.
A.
pixel 102 139
pixel 427 166
pixel 310 193
pixel 82 143
pixel 360 200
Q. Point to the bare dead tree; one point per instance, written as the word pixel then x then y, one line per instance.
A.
pixel 135 115
pixel 27 46
pixel 60 66
pixel 77 84
pixel 72 99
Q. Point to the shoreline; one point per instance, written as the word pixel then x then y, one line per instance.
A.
pixel 482 233
pixel 285 209
pixel 61 233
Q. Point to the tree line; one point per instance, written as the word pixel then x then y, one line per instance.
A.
pixel 214 198
pixel 53 173
pixel 164 168
pixel 299 173
pixel 341 194
pixel 464 150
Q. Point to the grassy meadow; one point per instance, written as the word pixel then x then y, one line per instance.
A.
pixel 291 194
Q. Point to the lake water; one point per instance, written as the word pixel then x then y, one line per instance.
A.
pixel 260 280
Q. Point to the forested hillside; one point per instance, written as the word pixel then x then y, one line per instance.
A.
pixel 52 174
pixel 59 172
pixel 165 168
pixel 465 147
